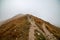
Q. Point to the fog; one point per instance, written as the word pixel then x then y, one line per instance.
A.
pixel 47 10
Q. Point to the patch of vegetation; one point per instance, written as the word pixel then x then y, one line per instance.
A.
pixel 39 36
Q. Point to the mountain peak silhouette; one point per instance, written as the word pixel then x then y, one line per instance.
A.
pixel 28 27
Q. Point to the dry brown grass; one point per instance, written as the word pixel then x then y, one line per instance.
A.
pixel 18 28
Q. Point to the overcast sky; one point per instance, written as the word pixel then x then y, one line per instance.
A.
pixel 48 10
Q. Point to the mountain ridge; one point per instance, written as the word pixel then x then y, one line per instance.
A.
pixel 12 28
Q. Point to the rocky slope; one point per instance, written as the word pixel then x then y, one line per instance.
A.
pixel 28 27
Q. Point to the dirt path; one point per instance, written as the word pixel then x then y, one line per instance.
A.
pixel 48 34
pixel 33 27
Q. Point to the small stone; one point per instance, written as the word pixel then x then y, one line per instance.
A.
pixel 38 33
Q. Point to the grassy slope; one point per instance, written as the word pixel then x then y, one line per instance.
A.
pixel 21 25
pixel 17 28
pixel 53 29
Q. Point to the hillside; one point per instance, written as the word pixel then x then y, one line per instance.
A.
pixel 28 27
